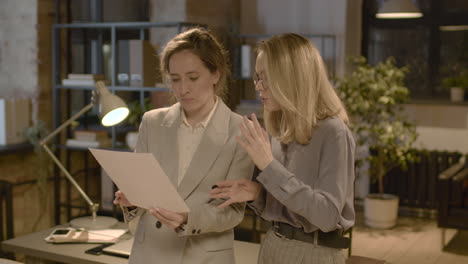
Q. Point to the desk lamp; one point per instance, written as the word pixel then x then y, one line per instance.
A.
pixel 111 110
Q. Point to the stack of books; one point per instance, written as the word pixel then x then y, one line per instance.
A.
pixel 79 79
pixel 89 139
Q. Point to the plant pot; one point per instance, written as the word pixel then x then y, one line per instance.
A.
pixel 131 139
pixel 457 94
pixel 381 210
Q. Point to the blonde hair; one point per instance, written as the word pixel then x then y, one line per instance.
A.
pixel 299 83
pixel 203 44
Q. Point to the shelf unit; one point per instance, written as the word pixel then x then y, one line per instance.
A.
pixel 102 30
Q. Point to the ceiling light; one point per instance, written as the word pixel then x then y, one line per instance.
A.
pixel 397 9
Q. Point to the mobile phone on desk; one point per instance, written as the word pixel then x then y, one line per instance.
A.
pixel 98 250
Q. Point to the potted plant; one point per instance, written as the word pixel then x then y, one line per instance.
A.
pixel 457 85
pixel 43 163
pixel 134 119
pixel 374 97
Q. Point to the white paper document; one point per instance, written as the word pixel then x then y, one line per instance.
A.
pixel 140 177
pixel 105 235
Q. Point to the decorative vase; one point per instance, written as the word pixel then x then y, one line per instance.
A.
pixel 131 139
pixel 456 94
pixel 381 210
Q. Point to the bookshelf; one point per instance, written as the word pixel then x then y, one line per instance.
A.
pixel 62 95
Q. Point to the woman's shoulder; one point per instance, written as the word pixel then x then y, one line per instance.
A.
pixel 227 114
pixel 156 113
pixel 336 130
pixel 331 126
pixel 237 118
pixel 159 113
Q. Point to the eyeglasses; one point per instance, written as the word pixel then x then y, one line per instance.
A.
pixel 257 80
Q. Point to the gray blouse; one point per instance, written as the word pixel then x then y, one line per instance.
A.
pixel 311 186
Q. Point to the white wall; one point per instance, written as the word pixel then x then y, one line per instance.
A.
pixel 165 11
pixel 444 139
pixel 18 49
pixel 440 127
pixel 307 17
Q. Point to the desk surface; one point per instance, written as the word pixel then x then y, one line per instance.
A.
pixel 34 245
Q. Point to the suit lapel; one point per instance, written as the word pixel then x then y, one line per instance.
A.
pixel 213 140
pixel 168 153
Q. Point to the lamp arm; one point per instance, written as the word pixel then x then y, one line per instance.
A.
pixel 66 123
pixel 43 144
pixel 68 175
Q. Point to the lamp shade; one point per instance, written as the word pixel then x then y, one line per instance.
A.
pixel 397 9
pixel 111 108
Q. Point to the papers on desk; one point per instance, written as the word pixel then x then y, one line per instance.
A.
pixel 91 236
pixel 123 248
pixel 105 235
pixel 140 177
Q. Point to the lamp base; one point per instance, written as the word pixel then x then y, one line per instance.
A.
pixel 88 223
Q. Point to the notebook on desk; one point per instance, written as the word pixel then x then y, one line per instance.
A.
pixel 121 249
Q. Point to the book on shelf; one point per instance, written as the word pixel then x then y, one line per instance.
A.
pixel 246 61
pixel 78 82
pixel 71 142
pixel 14 119
pixel 123 72
pixel 85 76
pixel 142 63
pixel 90 135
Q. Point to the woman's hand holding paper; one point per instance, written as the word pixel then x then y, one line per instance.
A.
pixel 120 199
pixel 169 218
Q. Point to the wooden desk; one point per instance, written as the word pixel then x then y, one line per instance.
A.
pixel 34 247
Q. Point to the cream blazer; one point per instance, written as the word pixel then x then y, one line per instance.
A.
pixel 208 236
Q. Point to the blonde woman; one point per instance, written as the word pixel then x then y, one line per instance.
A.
pixel 305 187
pixel 194 141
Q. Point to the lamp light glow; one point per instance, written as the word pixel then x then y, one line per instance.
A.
pixel 398 15
pixel 398 9
pixel 111 108
pixel 114 117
